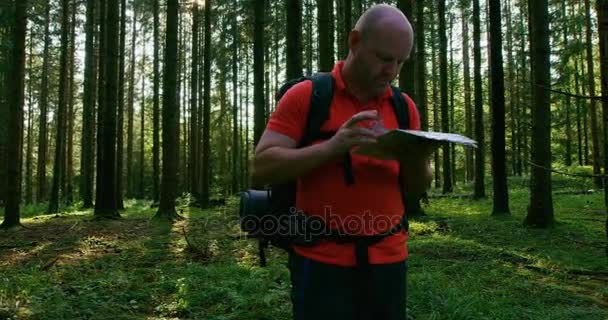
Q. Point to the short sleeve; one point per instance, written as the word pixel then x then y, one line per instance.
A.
pixel 413 113
pixel 291 113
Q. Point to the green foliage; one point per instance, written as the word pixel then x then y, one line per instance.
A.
pixel 463 264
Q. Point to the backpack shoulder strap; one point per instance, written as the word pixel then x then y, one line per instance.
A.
pixel 320 101
pixel 402 109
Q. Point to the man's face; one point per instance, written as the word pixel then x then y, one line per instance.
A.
pixel 380 56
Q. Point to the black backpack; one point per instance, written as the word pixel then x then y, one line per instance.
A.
pixel 271 216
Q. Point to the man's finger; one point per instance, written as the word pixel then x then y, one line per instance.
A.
pixel 362 116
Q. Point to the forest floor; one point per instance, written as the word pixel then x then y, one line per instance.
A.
pixel 464 263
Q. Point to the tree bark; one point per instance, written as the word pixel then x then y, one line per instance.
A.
pixel 602 17
pixel 166 209
pixel 421 66
pixel 294 40
pixel 121 107
pixel 595 136
pixel 194 165
pixel 130 109
pixel 105 205
pixel 443 84
pixel 497 89
pixel 156 107
pixel 540 209
pixel 28 153
pixel 479 185
pixel 87 161
pixel 16 75
pixel 258 72
pixel 61 110
pixel 206 162
pixel 468 112
pixel 407 75
pixel 325 30
pixel 235 110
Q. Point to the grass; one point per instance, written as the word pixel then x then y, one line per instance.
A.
pixel 464 264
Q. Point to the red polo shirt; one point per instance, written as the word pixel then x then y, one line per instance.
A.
pixel 369 206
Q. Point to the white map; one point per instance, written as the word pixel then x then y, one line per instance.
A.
pixel 409 141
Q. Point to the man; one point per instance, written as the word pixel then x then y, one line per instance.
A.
pixel 327 278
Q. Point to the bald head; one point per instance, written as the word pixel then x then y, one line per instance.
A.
pixel 383 18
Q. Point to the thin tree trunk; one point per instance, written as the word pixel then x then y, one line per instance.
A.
pixel 105 206
pixel 121 107
pixel 61 111
pixel 15 115
pixel 69 196
pixel 206 163
pixel 142 151
pixel 421 66
pixel 235 110
pixel 130 109
pixel 325 31
pixel 30 130
pixel 294 40
pixel 595 136
pixel 42 123
pixel 194 129
pixel 468 112
pixel 479 188
pixel 407 75
pixel 566 99
pixel 156 107
pixel 166 209
pixel 258 72
pixel 443 83
pixel 87 161
pixel 602 17
pixel 540 209
pixel 436 124
pixel 497 89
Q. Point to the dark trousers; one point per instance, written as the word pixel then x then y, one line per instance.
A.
pixel 320 291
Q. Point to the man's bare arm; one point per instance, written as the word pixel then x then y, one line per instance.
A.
pixel 277 158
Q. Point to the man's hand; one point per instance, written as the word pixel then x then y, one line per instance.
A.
pixel 350 134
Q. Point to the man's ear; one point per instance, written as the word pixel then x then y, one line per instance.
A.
pixel 354 40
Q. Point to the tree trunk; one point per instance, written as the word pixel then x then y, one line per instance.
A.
pixel 43 103
pixel 121 107
pixel 421 66
pixel 258 72
pixel 443 84
pixel 294 40
pixel 193 166
pixel 468 112
pixel 16 75
pixel 347 26
pixel 566 99
pixel 325 30
pixel 206 163
pixel 595 136
pixel 142 150
pixel 497 89
pixel 61 110
pixel 130 109
pixel 479 187
pixel 540 209
pixel 436 124
pixel 602 17
pixel 88 109
pixel 166 209
pixel 407 75
pixel 69 193
pixel 156 107
pixel 30 130
pixel 105 206
pixel 309 36
pixel 235 110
